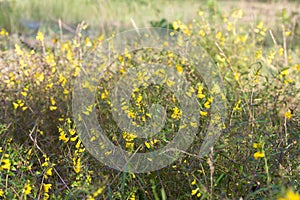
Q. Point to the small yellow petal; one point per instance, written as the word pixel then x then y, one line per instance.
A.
pixel 147 144
pixel 259 155
pixel 194 182
pixel 203 113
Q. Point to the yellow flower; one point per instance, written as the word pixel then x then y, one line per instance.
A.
pixel 179 69
pixel 128 137
pixel 52 108
pixel 260 25
pixel 104 94
pixel 62 135
pixel 3 32
pixel 147 144
pixel 237 14
pixel 17 104
pixel 237 106
pixel 195 191
pixel 219 35
pixel 132 197
pixel 257 145
pixel 77 165
pixel 200 94
pixel 259 154
pixel 176 24
pixel 39 78
pixel 290 195
pixel 47 187
pixel 288 115
pixel 237 76
pixel 88 179
pixel 90 198
pixel 78 145
pixel 129 145
pixel 1 193
pixel 49 171
pixel 27 188
pixel 259 54
pixel 133 175
pixel 46 163
pixel 40 36
pixel 194 124
pixel 194 182
pixel 5 164
pixel 127 54
pixel 207 104
pixel 285 72
pixel 18 50
pixel 131 114
pixel 76 71
pixel 62 80
pixel 88 42
pixel 176 113
pixel 281 51
pixel 73 139
pixel 203 113
pixel 98 191
pixel 68 120
pixel 50 60
pixel 202 33
pixel 72 131
pixel 200 13
pixel 89 109
pixel 139 100
pixel 24 94
pixel 46 196
pixel 191 91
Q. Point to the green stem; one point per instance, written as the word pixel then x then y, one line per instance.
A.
pixel 267 168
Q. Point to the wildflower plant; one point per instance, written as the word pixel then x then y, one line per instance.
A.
pixel 154 101
pixel 152 70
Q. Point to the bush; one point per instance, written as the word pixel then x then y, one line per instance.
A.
pixel 43 157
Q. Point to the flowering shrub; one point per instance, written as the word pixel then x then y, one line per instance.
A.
pixel 42 155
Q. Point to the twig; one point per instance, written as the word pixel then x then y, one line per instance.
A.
pixel 286 62
pixel 135 26
pixel 38 147
pixel 63 25
pixel 273 38
pixel 210 162
pixel 60 30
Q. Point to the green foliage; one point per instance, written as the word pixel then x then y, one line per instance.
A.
pixel 257 156
pixel 163 23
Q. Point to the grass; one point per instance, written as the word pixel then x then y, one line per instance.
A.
pixel 256 56
pixel 101 15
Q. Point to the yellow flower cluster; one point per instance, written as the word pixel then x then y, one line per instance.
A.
pixel 260 153
pixel 177 113
pixel 290 195
pixel 5 163
pixel 27 188
pixel 195 192
pixel 129 140
pixel 3 33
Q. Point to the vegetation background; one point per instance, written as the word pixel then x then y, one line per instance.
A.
pixel 255 44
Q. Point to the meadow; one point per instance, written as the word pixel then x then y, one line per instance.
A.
pixel 46 46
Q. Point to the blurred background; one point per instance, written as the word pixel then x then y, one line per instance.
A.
pixel 107 15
